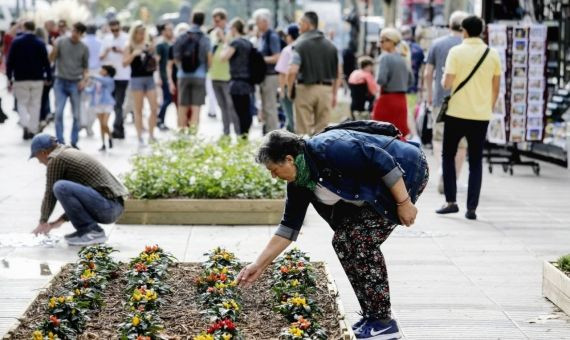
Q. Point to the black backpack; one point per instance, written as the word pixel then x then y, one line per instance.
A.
pixel 189 49
pixel 257 66
pixel 368 126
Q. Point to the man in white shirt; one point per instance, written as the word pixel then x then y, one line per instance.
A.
pixel 113 46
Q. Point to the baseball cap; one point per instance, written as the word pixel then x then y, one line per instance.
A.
pixel 293 31
pixel 41 142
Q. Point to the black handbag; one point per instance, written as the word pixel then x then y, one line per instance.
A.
pixel 444 105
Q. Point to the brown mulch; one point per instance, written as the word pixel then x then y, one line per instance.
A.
pixel 181 311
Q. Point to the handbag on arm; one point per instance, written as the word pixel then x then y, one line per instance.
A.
pixel 443 110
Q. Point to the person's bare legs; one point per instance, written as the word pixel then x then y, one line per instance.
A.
pixel 195 118
pixel 101 118
pixel 138 97
pixel 183 116
pixel 153 103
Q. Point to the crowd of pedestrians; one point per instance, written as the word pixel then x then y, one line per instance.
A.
pixel 289 78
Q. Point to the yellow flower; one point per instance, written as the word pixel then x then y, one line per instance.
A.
pixel 52 302
pixel 77 292
pixel 225 270
pixel 296 331
pixel 151 295
pixel 226 336
pixel 233 283
pixel 298 301
pixel 37 335
pixel 294 283
pixel 136 321
pixel 69 298
pixel 61 299
pixel 52 336
pixel 234 305
pixel 204 336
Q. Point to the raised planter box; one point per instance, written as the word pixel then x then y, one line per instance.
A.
pixel 203 211
pixel 556 286
pixel 24 326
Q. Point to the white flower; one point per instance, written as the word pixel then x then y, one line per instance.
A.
pixel 192 180
pixel 217 174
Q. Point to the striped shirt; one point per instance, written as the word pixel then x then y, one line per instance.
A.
pixel 69 164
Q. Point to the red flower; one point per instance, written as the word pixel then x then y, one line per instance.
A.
pixel 223 277
pixel 141 337
pixel 54 320
pixel 211 289
pixel 284 269
pixel 229 325
pixel 300 264
pixel 141 267
pixel 91 265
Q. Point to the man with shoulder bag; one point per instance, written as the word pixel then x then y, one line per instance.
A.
pixel 473 73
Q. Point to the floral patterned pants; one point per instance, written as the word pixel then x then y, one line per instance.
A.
pixel 357 242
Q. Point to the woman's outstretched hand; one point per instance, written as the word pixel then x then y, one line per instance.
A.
pixel 249 274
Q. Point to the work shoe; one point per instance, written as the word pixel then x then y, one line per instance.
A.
pixel 448 209
pixel 87 239
pixel 471 215
pixel 374 329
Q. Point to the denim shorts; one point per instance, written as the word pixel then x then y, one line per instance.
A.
pixel 142 84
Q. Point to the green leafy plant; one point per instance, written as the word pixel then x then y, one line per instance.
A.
pixel 141 325
pixel 303 329
pixel 293 283
pixel 564 263
pixel 191 167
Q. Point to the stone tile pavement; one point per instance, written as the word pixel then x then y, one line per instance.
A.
pixel 450 278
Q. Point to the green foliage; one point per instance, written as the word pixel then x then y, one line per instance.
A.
pixel 190 167
pixel 564 263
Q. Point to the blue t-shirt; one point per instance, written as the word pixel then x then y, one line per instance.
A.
pixel 205 48
pixel 269 44
pixel 436 56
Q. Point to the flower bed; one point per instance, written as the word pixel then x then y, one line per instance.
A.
pixel 153 297
pixel 192 181
pixel 190 167
pixel 556 282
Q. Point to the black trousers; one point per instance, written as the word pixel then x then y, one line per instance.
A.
pixel 119 94
pixel 242 107
pixel 474 131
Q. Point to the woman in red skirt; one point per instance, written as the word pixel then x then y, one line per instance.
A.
pixel 394 78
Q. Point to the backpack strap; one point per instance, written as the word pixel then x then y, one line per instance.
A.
pixel 472 71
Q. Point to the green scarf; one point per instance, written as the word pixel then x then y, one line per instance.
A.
pixel 303 178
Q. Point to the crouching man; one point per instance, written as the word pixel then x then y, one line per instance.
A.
pixel 87 191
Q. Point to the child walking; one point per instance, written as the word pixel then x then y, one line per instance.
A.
pixel 102 101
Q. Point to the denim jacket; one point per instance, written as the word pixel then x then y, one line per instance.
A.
pixel 103 96
pixel 355 166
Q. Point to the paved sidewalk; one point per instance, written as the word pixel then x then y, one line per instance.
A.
pixel 450 278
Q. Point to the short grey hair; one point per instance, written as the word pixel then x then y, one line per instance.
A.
pixel 263 14
pixel 455 20
pixel 277 145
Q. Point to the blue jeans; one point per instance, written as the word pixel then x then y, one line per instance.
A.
pixel 85 207
pixel 166 100
pixel 64 89
pixel 287 106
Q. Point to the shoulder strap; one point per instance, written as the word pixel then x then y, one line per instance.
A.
pixel 472 72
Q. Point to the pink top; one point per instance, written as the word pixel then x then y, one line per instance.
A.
pixel 360 77
pixel 282 65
